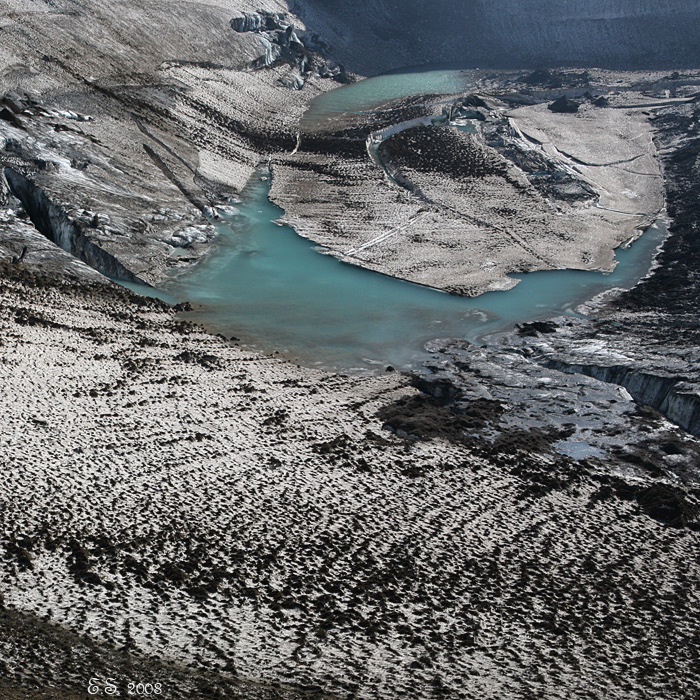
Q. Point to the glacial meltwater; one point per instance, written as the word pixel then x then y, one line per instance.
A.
pixel 276 291
pixel 367 94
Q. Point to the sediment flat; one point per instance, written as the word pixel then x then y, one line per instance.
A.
pixel 438 208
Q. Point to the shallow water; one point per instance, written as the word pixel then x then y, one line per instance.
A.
pixel 367 94
pixel 272 289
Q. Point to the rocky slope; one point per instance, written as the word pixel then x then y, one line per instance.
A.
pixel 134 120
pixel 643 342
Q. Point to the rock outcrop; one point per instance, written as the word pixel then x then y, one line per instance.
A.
pixel 281 41
pixel 69 235
pixel 675 398
pixel 137 162
pixel 564 105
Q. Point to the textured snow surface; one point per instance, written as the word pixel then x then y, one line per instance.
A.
pixel 167 492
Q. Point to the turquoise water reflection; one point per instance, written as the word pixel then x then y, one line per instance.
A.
pixel 369 93
pixel 272 289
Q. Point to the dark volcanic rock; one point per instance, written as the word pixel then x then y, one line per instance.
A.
pixel 543 78
pixel 668 505
pixel 564 105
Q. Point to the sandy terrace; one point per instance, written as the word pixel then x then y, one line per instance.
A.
pixel 461 233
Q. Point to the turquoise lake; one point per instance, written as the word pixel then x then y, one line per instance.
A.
pixel 272 289
pixel 366 94
pixel 275 290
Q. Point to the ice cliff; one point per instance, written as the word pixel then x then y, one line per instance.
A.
pixel 371 36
